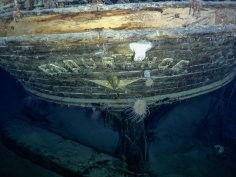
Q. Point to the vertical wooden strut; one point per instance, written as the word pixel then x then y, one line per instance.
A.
pixel 134 145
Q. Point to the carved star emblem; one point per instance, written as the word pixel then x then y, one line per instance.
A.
pixel 119 85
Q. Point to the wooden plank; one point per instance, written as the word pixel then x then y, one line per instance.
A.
pixel 115 17
pixel 64 156
pixel 123 103
pixel 69 53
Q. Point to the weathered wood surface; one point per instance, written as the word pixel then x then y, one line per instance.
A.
pixel 95 64
pixel 113 17
pixel 66 157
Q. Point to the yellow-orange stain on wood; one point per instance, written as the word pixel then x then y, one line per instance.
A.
pixel 106 20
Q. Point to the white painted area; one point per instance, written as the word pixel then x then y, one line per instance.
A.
pixel 140 48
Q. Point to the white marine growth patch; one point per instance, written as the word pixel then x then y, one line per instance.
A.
pixel 140 48
pixel 138 111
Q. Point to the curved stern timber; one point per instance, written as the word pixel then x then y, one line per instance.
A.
pixel 111 55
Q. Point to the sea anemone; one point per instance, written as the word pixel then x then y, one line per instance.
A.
pixel 138 111
pixel 219 149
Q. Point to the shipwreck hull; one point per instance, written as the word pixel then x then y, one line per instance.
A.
pixel 83 56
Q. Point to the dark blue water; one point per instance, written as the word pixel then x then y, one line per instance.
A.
pixel 196 137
